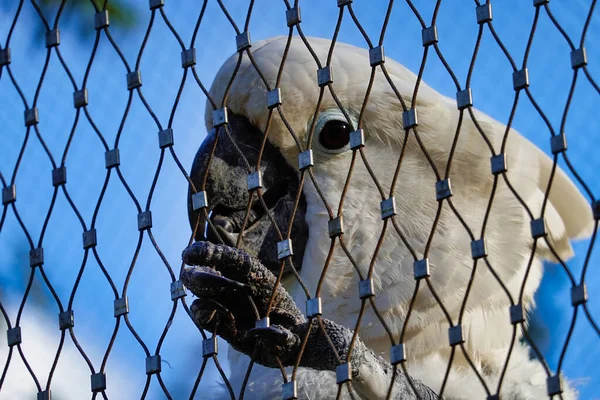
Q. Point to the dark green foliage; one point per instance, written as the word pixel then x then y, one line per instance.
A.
pixel 75 14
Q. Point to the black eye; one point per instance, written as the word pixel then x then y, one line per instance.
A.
pixel 335 135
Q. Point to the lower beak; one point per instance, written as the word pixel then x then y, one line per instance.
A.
pixel 225 173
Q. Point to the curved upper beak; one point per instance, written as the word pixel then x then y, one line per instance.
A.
pixel 226 188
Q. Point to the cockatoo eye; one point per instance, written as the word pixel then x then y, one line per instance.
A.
pixel 332 131
pixel 335 135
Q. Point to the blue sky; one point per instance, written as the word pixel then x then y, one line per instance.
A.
pixel 148 291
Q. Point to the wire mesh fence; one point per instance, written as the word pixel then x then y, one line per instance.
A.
pixel 358 331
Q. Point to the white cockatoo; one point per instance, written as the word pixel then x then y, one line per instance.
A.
pixel 486 320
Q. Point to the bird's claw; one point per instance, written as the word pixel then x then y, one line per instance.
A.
pixel 232 287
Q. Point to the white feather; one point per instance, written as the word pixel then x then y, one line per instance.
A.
pixel 486 323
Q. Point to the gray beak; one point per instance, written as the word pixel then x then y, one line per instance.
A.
pixel 227 192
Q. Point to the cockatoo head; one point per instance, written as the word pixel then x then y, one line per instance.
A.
pixel 322 119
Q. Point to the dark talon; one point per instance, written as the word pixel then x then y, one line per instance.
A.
pixel 210 315
pixel 200 279
pixel 274 334
pixel 211 305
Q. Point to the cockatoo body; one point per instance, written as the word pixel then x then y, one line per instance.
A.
pixel 486 322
